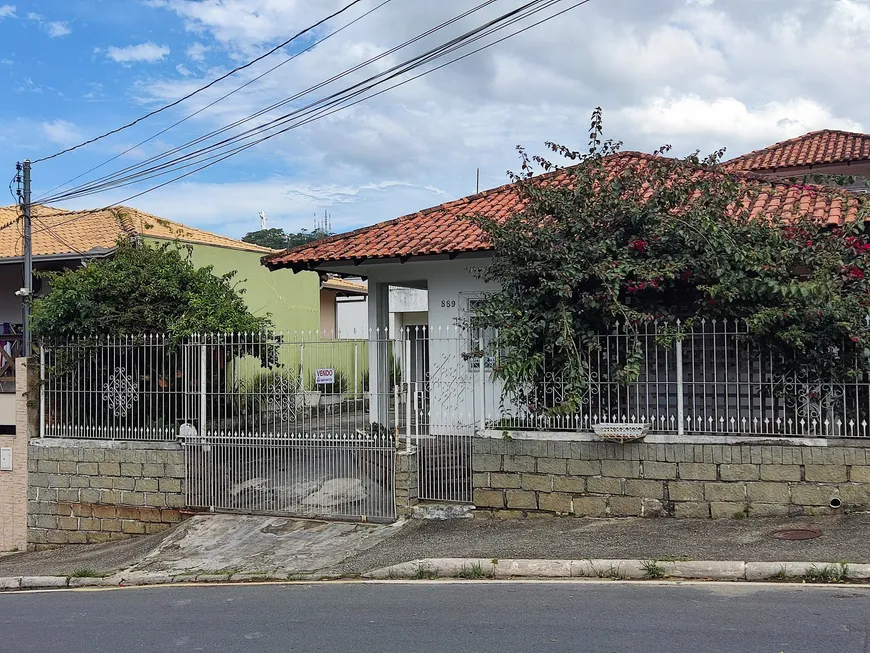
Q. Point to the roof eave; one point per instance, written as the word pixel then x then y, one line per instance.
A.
pixel 66 256
pixel 318 265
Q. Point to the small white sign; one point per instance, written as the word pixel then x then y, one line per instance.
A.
pixel 324 377
pixel 5 459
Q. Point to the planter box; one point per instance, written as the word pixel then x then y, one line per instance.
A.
pixel 311 398
pixel 331 399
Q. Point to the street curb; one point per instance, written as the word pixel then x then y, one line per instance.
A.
pixel 620 569
pixel 142 579
pixel 477 568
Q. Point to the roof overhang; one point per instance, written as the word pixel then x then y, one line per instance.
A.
pixel 101 252
pixel 346 267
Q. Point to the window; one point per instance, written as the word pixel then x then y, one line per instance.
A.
pixel 472 346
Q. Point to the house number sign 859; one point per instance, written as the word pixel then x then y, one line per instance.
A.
pixel 448 303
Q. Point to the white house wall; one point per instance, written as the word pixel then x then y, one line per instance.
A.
pixel 455 389
pixel 407 305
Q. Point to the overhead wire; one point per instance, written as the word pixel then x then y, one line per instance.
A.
pixel 323 111
pixel 203 88
pixel 335 98
pixel 217 101
pixel 141 165
pixel 400 83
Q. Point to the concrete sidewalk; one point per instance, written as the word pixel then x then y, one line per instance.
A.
pixel 843 538
pixel 230 547
pixel 214 546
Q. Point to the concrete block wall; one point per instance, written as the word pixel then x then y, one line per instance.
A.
pixel 83 491
pixel 515 477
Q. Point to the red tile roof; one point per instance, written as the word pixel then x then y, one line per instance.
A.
pixel 816 148
pixel 444 230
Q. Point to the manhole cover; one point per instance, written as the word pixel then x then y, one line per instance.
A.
pixel 796 534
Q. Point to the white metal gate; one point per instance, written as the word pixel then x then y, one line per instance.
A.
pixel 306 476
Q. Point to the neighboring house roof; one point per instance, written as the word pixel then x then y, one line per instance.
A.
pixel 827 146
pixel 345 287
pixel 65 234
pixel 443 230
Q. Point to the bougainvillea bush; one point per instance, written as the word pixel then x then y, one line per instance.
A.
pixel 618 238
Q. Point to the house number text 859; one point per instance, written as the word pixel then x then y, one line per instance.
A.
pixel 448 303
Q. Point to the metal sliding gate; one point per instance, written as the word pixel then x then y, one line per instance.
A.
pixel 281 441
pixel 304 476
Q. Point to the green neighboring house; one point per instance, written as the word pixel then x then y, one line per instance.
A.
pixel 63 239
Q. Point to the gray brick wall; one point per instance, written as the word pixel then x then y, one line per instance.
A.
pixel 514 477
pixel 83 492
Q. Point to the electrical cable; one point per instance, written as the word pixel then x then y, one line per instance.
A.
pixel 320 112
pixel 285 101
pixel 488 45
pixel 224 156
pixel 214 102
pixel 203 88
pixel 249 145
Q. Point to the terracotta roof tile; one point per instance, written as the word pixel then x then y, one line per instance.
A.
pixel 815 148
pixel 343 285
pixel 443 229
pixel 58 232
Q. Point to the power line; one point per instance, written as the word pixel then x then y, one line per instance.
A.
pixel 312 108
pixel 203 88
pixel 340 108
pixel 99 183
pixel 325 111
pixel 117 180
pixel 213 103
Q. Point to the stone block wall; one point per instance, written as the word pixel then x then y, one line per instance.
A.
pixel 83 491
pixel 514 477
pixel 407 492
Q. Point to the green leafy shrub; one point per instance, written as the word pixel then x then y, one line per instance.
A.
pixel 628 240
pixel 269 390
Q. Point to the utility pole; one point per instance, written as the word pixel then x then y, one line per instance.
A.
pixel 27 291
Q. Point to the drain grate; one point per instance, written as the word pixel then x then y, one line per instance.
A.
pixel 796 534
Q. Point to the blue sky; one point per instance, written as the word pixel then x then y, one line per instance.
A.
pixel 694 73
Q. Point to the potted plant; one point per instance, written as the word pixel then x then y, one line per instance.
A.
pixel 311 394
pixel 333 393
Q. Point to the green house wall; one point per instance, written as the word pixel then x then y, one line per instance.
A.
pixel 292 299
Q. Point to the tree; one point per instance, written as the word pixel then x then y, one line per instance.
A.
pixel 277 238
pixel 274 238
pixel 98 324
pixel 141 290
pixel 622 239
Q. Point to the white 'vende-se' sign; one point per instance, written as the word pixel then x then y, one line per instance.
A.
pixel 324 377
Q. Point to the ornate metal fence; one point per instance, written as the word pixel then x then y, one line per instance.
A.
pixel 708 381
pixel 266 417
pixel 130 388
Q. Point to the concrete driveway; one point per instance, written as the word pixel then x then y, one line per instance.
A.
pixel 222 546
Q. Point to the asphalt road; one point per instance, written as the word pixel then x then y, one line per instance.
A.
pixel 599 617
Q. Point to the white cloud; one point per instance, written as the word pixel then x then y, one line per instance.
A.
pixel 729 118
pixel 147 52
pixel 700 75
pixel 7 11
pixel 196 51
pixel 60 132
pixel 289 204
pixel 57 28
pixel 54 28
pixel 183 70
